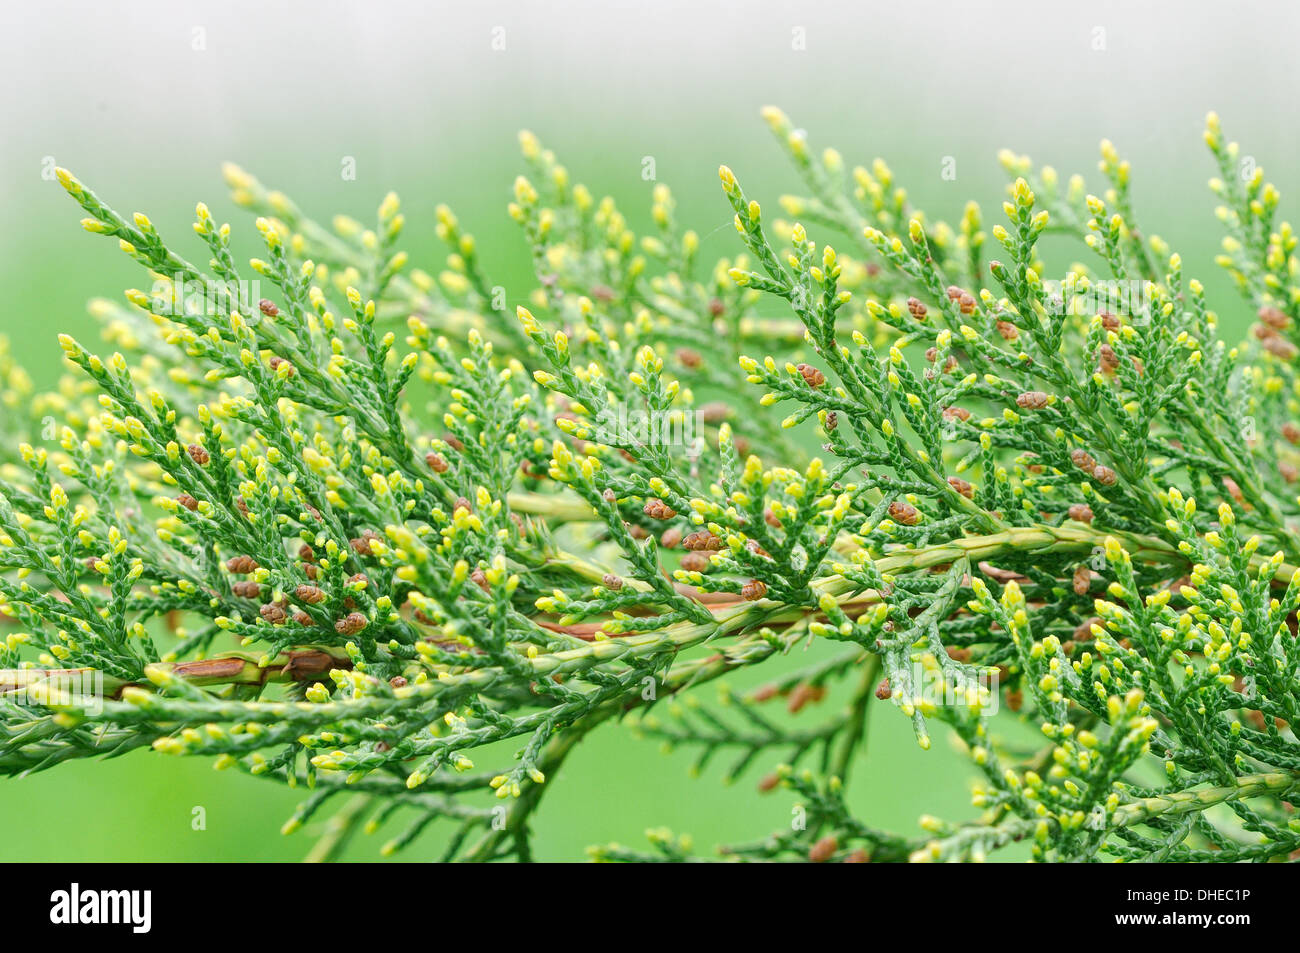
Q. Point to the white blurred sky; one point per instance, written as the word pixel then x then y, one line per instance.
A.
pixel 89 77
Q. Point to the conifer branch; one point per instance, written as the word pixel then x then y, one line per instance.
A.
pixel 347 525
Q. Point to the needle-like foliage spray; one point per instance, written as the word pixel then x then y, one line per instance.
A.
pixel 393 539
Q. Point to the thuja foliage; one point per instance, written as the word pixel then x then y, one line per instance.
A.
pixel 372 532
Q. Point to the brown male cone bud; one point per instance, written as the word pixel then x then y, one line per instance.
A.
pixel 1105 476
pixel 611 581
pixel 905 513
pixel 823 850
pixel 768 783
pixel 436 461
pixel 689 358
pixel 883 691
pixel 1107 359
pixel 1081 512
pixel 278 362
pixel 770 519
pixel 956 413
pixel 811 375
pixel 1291 432
pixel 670 537
pixel 1083 460
pixel 961 486
pixel 309 594
pixel 1281 348
pixel 714 412
pixel 361 545
pixel 1083 631
pixel 187 501
pixel 858 855
pixel 351 624
pixel 954 292
pixel 268 308
pixel 1109 321
pixel 241 564
pixel 916 309
pixel 273 613
pixel 1274 317
pixel 246 589
pixel 696 562
pixel 702 541
pixel 198 454
pixel 1008 330
pixel 658 509
pixel 966 303
pixel 1032 400
pixel 753 590
pixel 1082 580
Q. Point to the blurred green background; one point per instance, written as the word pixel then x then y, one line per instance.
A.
pixel 144 100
